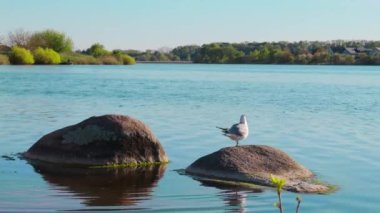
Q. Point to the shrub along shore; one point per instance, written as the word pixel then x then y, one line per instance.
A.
pixel 53 47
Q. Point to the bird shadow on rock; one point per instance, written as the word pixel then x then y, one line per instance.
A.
pixel 102 186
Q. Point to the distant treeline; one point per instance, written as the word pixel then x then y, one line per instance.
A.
pixel 303 52
pixel 53 47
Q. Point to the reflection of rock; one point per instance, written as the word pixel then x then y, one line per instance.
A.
pixel 103 187
pixel 107 139
pixel 254 164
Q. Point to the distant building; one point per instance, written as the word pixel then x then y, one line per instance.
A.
pixel 364 50
pixel 330 51
pixel 349 51
pixel 355 51
pixel 376 51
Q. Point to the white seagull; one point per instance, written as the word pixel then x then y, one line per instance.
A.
pixel 237 132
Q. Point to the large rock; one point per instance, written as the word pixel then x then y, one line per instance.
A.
pixel 103 140
pixel 255 164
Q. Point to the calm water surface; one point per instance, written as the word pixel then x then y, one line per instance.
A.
pixel 326 117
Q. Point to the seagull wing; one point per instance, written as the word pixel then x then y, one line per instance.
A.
pixel 237 129
pixel 224 130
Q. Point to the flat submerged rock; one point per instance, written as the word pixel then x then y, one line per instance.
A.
pixel 100 140
pixel 254 164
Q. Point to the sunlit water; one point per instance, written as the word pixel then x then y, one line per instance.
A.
pixel 326 117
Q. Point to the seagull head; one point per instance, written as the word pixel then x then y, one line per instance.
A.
pixel 243 119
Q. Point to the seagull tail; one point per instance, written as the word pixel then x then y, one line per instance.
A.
pixel 224 130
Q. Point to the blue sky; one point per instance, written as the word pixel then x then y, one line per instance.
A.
pixel 151 24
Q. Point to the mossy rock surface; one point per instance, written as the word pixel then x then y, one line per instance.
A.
pixel 254 164
pixel 101 140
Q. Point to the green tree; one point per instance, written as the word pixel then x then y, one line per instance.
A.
pixel 255 55
pixel 303 58
pixel 349 59
pixel 219 53
pixel 232 55
pixel 375 59
pixel 146 56
pixel 264 55
pixel 19 55
pixel 97 50
pixel 46 56
pixel 118 52
pixel 337 59
pixel 123 58
pixel 283 57
pixel 186 53
pixel 342 59
pixel 159 56
pixel 128 60
pixel 52 39
pixel 363 58
pixel 321 56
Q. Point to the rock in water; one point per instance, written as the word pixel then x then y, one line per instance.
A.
pixel 255 164
pixel 102 140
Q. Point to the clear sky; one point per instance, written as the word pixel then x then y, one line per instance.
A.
pixel 151 24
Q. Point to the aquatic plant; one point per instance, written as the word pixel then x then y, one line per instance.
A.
pixel 299 200
pixel 129 165
pixel 278 183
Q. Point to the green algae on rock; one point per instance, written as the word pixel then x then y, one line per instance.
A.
pixel 129 165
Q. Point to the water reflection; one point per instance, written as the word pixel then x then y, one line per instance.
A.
pixel 103 187
pixel 234 196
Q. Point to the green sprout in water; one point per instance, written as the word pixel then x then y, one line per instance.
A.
pixel 299 200
pixel 278 183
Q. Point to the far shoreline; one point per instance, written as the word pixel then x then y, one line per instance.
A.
pixel 165 62
pixel 186 63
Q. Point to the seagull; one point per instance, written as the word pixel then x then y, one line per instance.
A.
pixel 237 132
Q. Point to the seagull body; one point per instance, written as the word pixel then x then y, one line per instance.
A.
pixel 237 132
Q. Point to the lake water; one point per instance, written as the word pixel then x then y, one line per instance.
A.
pixel 326 117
